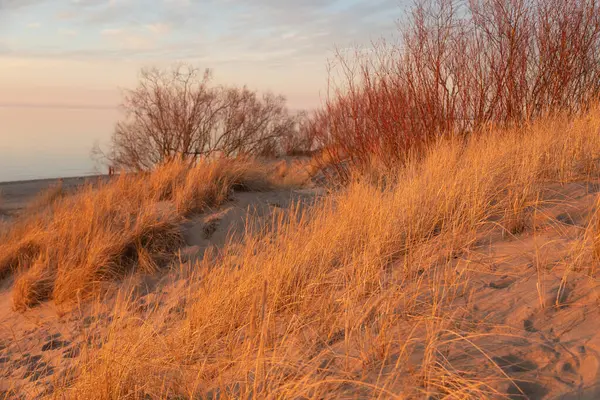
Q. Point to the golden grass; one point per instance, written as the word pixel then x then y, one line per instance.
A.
pixel 47 197
pixel 295 172
pixel 586 252
pixel 67 247
pixel 355 298
pixel 3 214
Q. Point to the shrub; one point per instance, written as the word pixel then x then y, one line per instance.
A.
pixel 175 114
pixel 461 65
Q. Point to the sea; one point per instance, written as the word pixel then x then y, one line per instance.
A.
pixel 40 142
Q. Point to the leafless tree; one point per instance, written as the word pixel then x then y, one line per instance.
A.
pixel 302 140
pixel 177 114
pixel 252 125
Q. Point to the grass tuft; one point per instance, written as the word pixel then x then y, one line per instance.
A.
pixel 68 247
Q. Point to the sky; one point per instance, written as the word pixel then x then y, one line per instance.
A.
pixel 63 63
pixel 78 53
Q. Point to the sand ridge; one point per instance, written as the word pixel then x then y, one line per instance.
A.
pixel 535 315
pixel 36 345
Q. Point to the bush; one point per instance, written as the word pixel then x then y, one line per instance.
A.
pixel 176 114
pixel 461 65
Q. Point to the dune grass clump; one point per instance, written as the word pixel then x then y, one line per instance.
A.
pixel 4 215
pixel 69 246
pixel 361 297
pixel 47 197
pixel 586 252
pixel 2 211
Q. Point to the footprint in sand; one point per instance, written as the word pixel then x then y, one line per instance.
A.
pixel 581 373
pixel 512 364
pixel 526 390
pixel 53 342
pixel 72 352
pixel 589 366
pixel 502 283
pixel 210 228
pixel 528 325
pixel 566 219
pixel 36 368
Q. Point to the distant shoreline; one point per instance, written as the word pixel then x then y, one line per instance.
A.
pixel 92 107
pixel 41 180
pixel 14 195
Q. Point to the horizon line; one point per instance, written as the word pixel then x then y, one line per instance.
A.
pixel 60 106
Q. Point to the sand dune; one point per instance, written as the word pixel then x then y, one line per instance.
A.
pixel 536 316
pixel 14 196
pixel 470 273
pixel 37 346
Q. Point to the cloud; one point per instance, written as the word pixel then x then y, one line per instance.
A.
pixel 274 32
pixel 178 3
pixel 129 38
pixel 289 35
pixel 33 25
pixel 103 43
pixel 67 32
pixel 15 4
pixel 92 2
pixel 98 12
pixel 112 32
pixel 135 42
pixel 158 28
pixel 66 15
pixel 5 49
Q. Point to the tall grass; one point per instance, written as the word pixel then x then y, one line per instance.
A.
pixel 357 297
pixel 67 247
pixel 47 197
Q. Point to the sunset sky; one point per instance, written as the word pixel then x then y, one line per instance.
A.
pixel 78 52
pixel 62 62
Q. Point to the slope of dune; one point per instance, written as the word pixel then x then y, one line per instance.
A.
pixel 468 273
pixel 536 317
pixel 37 346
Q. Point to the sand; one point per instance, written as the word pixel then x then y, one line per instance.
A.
pixel 542 316
pixel 536 316
pixel 36 345
pixel 14 196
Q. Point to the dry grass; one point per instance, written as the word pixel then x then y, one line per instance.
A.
pixel 294 172
pixel 47 197
pixel 3 213
pixel 67 247
pixel 356 298
pixel 586 253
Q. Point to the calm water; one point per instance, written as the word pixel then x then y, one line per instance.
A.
pixel 51 142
